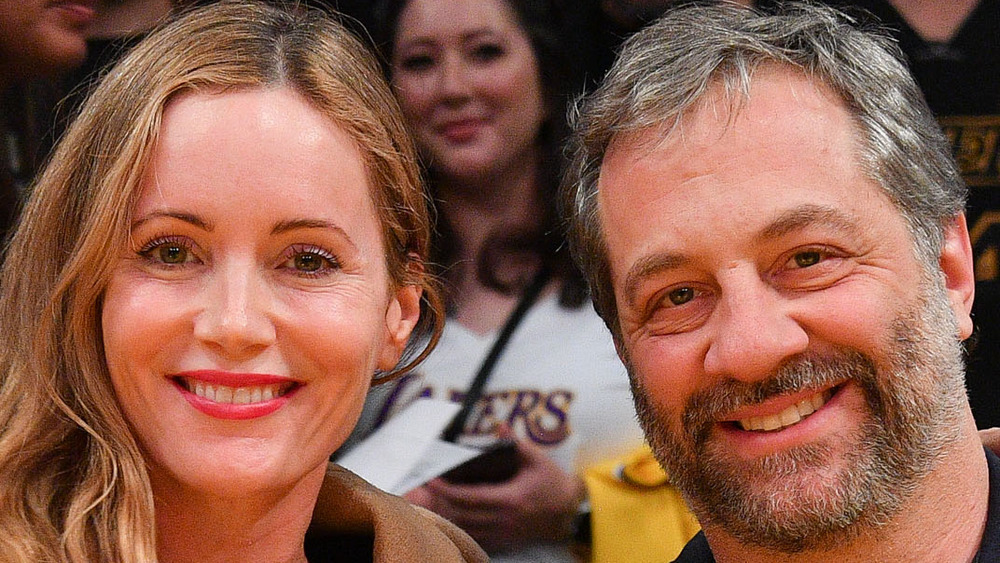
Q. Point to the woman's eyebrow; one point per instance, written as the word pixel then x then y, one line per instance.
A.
pixel 304 223
pixel 179 215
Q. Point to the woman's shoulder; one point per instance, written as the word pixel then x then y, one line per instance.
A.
pixel 355 516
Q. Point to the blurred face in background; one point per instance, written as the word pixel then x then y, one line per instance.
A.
pixel 42 37
pixel 467 79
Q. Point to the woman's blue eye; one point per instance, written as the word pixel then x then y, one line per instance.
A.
pixel 172 254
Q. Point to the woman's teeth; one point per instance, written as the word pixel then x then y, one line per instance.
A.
pixel 789 416
pixel 236 395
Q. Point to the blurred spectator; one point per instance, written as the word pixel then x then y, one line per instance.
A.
pixel 953 48
pixel 125 18
pixel 483 85
pixel 44 55
pixel 39 40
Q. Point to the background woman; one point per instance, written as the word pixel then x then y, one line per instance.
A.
pixel 39 41
pixel 226 246
pixel 482 85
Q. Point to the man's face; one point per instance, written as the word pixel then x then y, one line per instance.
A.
pixel 796 368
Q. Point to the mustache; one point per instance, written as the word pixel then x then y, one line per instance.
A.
pixel 797 374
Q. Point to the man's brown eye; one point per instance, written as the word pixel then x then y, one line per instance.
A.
pixel 681 296
pixel 806 259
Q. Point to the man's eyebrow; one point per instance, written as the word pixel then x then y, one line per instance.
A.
pixel 648 266
pixel 179 215
pixel 806 215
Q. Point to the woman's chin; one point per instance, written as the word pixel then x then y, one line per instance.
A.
pixel 234 477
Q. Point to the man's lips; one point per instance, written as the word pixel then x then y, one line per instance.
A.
pixel 781 412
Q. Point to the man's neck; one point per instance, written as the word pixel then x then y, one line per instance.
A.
pixel 943 520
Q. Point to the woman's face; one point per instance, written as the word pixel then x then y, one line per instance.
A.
pixel 243 324
pixel 468 82
pixel 38 37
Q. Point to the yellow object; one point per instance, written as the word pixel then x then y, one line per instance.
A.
pixel 636 515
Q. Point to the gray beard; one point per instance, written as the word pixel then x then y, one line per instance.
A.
pixel 796 500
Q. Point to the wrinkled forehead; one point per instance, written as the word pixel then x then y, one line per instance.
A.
pixel 789 131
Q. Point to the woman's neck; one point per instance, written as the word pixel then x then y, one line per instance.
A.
pixel 505 200
pixel 192 526
pixel 496 192
pixel 502 203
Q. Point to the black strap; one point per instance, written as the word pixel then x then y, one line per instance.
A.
pixel 528 299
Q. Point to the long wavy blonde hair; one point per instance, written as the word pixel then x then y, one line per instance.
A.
pixel 74 485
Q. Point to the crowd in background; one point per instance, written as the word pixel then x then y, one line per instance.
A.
pixel 498 232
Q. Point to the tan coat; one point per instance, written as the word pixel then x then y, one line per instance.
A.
pixel 403 533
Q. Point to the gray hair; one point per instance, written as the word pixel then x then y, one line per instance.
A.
pixel 664 70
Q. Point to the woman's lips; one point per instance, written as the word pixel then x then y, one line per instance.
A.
pixel 460 131
pixel 79 12
pixel 234 396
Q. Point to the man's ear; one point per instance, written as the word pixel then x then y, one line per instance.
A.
pixel 960 280
pixel 401 317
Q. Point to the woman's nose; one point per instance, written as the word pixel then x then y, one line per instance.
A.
pixel 236 316
pixel 453 78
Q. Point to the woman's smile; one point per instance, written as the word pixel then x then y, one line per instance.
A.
pixel 235 396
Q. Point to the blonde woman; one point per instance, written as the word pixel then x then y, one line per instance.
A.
pixel 225 251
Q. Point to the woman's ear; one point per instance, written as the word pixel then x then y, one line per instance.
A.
pixel 401 316
pixel 957 266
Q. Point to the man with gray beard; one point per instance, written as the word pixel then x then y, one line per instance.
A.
pixel 773 230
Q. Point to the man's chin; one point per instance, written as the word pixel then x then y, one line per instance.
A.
pixel 791 501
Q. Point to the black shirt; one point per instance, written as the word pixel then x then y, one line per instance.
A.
pixel 697 550
pixel 330 548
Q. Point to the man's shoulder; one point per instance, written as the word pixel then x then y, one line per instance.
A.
pixel 696 551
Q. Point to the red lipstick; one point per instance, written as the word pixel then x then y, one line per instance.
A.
pixel 234 396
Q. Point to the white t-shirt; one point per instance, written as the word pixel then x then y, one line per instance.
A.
pixel 558 383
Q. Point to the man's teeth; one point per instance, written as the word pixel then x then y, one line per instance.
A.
pixel 236 395
pixel 789 416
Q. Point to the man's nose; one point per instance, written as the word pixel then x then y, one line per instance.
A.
pixel 236 312
pixel 754 330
